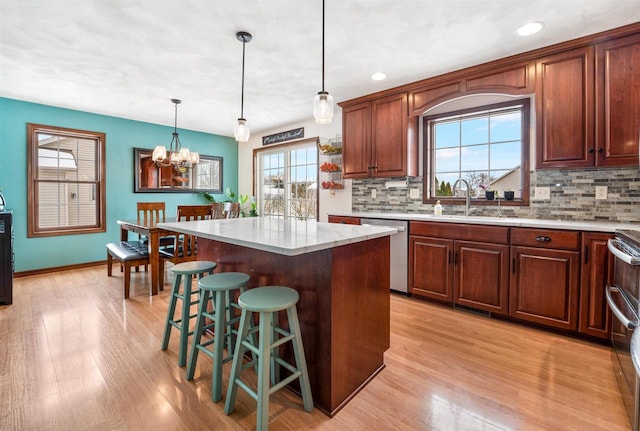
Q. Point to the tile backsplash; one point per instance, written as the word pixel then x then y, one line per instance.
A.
pixel 573 196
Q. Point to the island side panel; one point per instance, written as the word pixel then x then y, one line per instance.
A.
pixel 310 275
pixel 360 315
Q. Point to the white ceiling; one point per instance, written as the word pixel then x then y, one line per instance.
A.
pixel 127 58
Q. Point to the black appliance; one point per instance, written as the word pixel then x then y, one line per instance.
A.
pixel 623 297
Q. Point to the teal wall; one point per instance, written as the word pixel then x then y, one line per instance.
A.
pixel 122 136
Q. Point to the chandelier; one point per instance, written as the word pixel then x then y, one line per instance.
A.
pixel 323 101
pixel 180 157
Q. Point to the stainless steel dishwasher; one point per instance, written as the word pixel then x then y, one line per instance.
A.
pixel 399 268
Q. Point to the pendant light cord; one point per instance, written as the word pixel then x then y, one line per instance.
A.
pixel 323 46
pixel 244 42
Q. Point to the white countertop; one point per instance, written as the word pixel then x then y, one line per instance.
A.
pixel 287 237
pixel 589 226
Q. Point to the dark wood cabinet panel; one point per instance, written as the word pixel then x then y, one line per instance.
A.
pixel 513 79
pixel 356 148
pixel 378 140
pixel 460 231
pixel 618 101
pixel 430 269
pixel 423 98
pixel 565 109
pixel 481 279
pixel 389 136
pixel 597 272
pixel 344 219
pixel 6 257
pixel 546 238
pixel 544 286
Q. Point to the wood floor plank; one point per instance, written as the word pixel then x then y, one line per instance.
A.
pixel 75 355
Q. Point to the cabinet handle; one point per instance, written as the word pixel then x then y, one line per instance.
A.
pixel 455 258
pixel 586 254
pixel 449 257
pixel 600 150
pixel 513 265
pixel 591 151
pixel 543 239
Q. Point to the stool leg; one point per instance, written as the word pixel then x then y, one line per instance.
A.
pixel 301 361
pixel 275 352
pixel 184 324
pixel 197 335
pixel 218 344
pixel 264 361
pixel 171 311
pixel 236 364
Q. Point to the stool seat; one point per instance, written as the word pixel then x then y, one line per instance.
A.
pixel 193 267
pixel 224 281
pixel 184 270
pixel 269 298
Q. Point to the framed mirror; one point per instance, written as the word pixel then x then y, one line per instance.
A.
pixel 205 176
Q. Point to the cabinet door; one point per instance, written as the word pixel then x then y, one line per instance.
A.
pixel 356 148
pixel 618 95
pixel 344 219
pixel 430 268
pixel 389 136
pixel 481 277
pixel 597 272
pixel 565 110
pixel 544 286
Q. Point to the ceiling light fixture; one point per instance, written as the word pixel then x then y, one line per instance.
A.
pixel 379 76
pixel 530 28
pixel 181 158
pixel 241 130
pixel 323 101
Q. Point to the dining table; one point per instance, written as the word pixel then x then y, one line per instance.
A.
pixel 153 232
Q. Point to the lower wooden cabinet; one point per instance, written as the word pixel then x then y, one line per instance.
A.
pixel 597 272
pixel 464 272
pixel 344 219
pixel 544 286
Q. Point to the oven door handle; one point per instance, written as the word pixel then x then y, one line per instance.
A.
pixel 616 311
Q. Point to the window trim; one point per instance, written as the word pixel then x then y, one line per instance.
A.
pixel 33 229
pixel 283 147
pixel 428 157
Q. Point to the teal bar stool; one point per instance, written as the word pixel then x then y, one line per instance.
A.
pixel 217 288
pixel 183 271
pixel 268 301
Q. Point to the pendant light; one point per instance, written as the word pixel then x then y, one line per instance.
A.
pixel 180 157
pixel 323 101
pixel 241 129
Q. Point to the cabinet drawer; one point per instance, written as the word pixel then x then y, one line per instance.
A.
pixel 462 232
pixel 344 219
pixel 546 238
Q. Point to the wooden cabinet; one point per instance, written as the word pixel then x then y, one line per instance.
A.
pixel 597 272
pixel 344 219
pixel 618 101
pixel 565 109
pixel 466 271
pixel 545 279
pixel 6 257
pixel 377 139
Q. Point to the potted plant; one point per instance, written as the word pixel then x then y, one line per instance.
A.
pixel 488 194
pixel 509 195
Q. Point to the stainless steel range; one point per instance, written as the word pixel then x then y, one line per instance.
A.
pixel 623 297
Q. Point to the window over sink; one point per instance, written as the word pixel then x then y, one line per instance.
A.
pixel 487 146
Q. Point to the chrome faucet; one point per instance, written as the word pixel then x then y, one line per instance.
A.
pixel 468 200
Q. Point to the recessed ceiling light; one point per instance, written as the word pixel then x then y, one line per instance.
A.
pixel 378 76
pixel 530 28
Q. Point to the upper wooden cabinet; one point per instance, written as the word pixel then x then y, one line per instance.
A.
pixel 378 140
pixel 565 110
pixel 618 101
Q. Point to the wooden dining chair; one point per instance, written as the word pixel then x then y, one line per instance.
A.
pixel 151 212
pixel 217 210
pixel 184 247
pixel 231 210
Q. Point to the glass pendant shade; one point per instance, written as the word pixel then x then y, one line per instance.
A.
pixel 159 153
pixel 241 130
pixel 323 107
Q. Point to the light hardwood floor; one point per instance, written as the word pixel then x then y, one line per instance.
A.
pixel 75 356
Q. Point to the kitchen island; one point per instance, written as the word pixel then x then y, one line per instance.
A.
pixel 342 275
